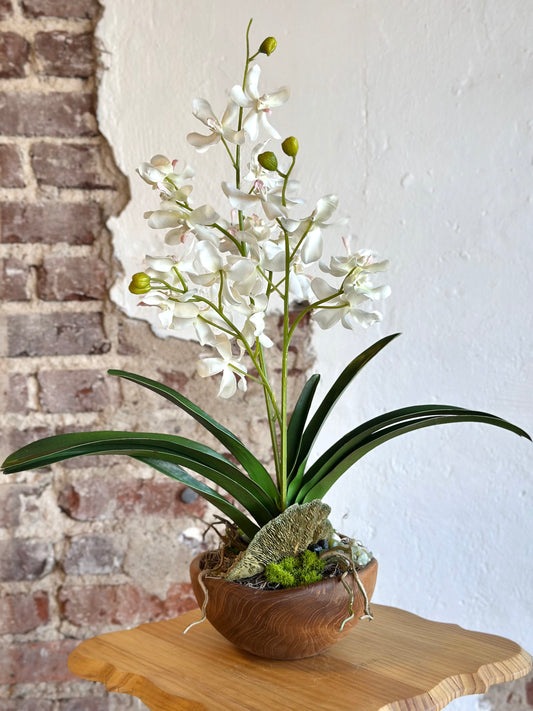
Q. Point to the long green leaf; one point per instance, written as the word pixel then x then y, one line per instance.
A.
pixel 242 454
pixel 346 443
pixel 176 472
pixel 315 425
pixel 298 420
pixel 324 479
pixel 197 457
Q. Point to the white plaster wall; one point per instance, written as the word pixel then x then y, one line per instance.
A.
pixel 419 114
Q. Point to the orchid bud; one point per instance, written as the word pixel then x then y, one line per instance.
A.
pixel 268 45
pixel 268 160
pixel 290 146
pixel 140 283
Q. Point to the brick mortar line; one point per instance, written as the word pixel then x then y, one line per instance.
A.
pixel 28 27
pixel 26 142
pixel 39 307
pixel 33 253
pixel 43 84
pixel 65 195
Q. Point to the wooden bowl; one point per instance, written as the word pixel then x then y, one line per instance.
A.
pixel 283 624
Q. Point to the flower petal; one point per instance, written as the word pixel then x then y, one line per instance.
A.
pixel 202 143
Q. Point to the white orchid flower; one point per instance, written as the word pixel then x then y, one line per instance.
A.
pixel 254 328
pixel 362 261
pixel 219 129
pixel 345 307
pixel 270 200
pixel 161 174
pixel 166 307
pixel 269 178
pixel 312 244
pixel 260 105
pixel 172 215
pixel 227 364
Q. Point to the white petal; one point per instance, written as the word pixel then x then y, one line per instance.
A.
pixel 230 114
pixel 238 199
pixel 150 174
pixel 223 346
pixel 252 82
pixel 325 208
pixel 326 318
pixel 239 97
pixel 165 317
pixel 312 246
pixel 175 236
pixel 209 366
pixel 160 264
pixel 251 124
pixel 279 97
pixel 203 111
pixel 238 137
pixel 204 215
pixel 202 143
pixel 228 384
pixel 265 126
pixel 162 219
pixel 188 309
pixel 321 288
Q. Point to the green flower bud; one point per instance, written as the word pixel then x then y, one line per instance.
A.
pixel 268 160
pixel 290 146
pixel 268 45
pixel 140 283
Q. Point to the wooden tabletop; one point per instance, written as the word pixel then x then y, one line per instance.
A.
pixel 398 662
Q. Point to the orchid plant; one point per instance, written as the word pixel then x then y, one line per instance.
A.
pixel 219 276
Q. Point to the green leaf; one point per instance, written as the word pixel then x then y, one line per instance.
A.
pixel 298 420
pixel 295 485
pixel 242 454
pixel 325 472
pixel 201 459
pixel 315 425
pixel 176 472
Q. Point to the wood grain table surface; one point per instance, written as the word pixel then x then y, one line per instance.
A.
pixel 397 662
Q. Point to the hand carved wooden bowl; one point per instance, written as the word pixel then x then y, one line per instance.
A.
pixel 283 624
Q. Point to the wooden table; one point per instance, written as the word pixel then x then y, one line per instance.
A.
pixel 398 662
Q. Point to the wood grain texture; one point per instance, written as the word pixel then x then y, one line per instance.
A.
pixel 398 662
pixel 283 624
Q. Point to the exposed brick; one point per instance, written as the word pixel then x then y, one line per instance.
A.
pixel 24 559
pixel 18 395
pixel 35 662
pixel 14 275
pixel 11 175
pixel 20 437
pixel 100 605
pixel 86 500
pixel 92 555
pixel 75 9
pixel 56 114
pixel 23 612
pixel 64 54
pixel 74 390
pixel 6 9
pixel 73 166
pixel 50 223
pixel 87 703
pixel 16 502
pixel 14 53
pixel 56 334
pixel 72 279
pixel 529 692
pixel 25 704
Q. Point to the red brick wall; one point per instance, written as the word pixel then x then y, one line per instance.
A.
pixel 95 544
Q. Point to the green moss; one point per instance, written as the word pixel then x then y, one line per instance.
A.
pixel 295 571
